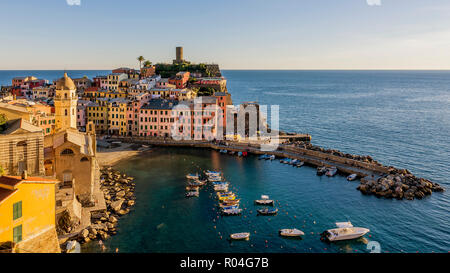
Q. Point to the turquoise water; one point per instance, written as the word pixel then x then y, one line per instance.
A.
pixel 401 118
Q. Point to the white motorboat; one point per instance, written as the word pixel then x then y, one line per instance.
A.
pixel 331 171
pixel 291 232
pixel 272 157
pixel 344 231
pixel 264 201
pixel 214 178
pixel 192 176
pixel 233 211
pixel 212 173
pixel 240 236
pixel 352 177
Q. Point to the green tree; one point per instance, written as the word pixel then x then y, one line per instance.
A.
pixel 147 63
pixel 140 60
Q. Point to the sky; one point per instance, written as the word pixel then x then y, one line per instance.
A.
pixel 236 34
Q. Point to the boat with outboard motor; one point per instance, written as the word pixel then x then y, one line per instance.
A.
pixel 291 232
pixel 344 231
pixel 332 171
pixel 267 211
pixel 265 201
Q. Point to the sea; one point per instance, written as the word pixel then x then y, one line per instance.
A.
pixel 400 118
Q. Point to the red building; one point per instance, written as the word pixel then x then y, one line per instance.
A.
pixel 180 80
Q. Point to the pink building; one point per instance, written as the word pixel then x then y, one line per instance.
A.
pixel 81 114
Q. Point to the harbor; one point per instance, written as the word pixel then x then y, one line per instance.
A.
pixel 304 200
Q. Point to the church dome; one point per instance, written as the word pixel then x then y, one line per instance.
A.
pixel 65 83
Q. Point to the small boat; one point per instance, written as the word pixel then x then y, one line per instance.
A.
pixel 331 171
pixel 231 202
pixel 214 178
pixel 227 198
pixel 321 171
pixel 211 173
pixel 272 157
pixel 192 194
pixel 294 162
pixel 263 157
pixel 267 211
pixel 240 236
pixel 291 232
pixel 230 207
pixel 232 152
pixel 344 231
pixel 220 183
pixel 239 154
pixel 223 151
pixel 265 201
pixel 220 188
pixel 192 176
pixel 352 177
pixel 229 212
pixel 299 164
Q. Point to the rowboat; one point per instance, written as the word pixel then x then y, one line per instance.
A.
pixel 229 212
pixel 267 211
pixel 291 232
pixel 230 207
pixel 231 197
pixel 214 178
pixel 240 236
pixel 192 176
pixel 344 231
pixel 220 188
pixel 231 202
pixel 212 173
pixel 220 183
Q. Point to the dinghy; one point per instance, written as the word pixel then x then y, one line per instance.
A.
pixel 192 176
pixel 192 194
pixel 240 236
pixel 352 177
pixel 229 212
pixel 291 232
pixel 265 201
pixel 267 211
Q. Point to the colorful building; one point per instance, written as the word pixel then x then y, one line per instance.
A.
pixel 27 214
pixel 180 80
pixel 117 117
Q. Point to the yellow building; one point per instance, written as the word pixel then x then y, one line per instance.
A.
pixel 27 214
pixel 97 112
pixel 117 117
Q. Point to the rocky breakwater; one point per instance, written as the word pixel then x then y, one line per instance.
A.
pixel 399 184
pixel 118 190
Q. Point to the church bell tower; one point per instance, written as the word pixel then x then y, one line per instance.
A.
pixel 65 104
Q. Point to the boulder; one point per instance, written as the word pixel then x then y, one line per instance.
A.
pixel 112 219
pixel 116 205
pixel 84 233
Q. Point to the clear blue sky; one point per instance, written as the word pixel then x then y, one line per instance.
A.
pixel 237 34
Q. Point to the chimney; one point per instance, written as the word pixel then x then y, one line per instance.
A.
pixel 24 175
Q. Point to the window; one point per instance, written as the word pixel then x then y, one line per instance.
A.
pixel 67 152
pixel 17 234
pixel 17 210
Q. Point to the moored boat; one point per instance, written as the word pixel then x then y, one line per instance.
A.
pixel 331 171
pixel 321 170
pixel 344 231
pixel 272 157
pixel 192 176
pixel 240 236
pixel 228 212
pixel 265 201
pixel 291 232
pixel 267 211
pixel 352 177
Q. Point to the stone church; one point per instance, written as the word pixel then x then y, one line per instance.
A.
pixel 69 154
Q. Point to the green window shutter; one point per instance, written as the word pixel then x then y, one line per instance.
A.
pixel 17 234
pixel 17 210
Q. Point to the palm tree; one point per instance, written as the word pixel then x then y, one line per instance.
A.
pixel 147 63
pixel 140 59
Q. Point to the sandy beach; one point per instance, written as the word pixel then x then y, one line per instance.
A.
pixel 111 156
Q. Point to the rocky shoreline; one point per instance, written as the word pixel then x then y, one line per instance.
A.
pixel 118 190
pixel 399 184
